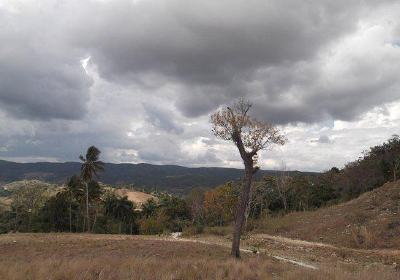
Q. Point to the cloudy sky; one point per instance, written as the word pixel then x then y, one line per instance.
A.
pixel 140 78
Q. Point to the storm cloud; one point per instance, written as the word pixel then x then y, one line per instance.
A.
pixel 272 52
pixel 40 76
pixel 140 78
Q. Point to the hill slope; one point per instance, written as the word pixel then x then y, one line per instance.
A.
pixel 168 177
pixel 371 220
pixel 139 198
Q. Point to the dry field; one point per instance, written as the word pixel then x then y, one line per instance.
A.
pixel 84 256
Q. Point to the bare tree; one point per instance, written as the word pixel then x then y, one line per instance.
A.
pixel 283 183
pixel 396 166
pixel 195 200
pixel 250 136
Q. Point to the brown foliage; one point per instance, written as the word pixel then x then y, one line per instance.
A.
pixel 235 124
pixel 220 203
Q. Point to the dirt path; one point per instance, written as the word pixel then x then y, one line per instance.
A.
pixel 176 236
pixel 303 253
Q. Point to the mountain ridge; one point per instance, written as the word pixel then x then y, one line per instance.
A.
pixel 174 178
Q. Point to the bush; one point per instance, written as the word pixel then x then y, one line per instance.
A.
pixel 250 226
pixel 193 230
pixel 219 231
pixel 150 226
pixel 361 237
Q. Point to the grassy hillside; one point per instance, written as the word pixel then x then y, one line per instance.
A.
pixel 175 179
pixel 370 221
pixel 6 191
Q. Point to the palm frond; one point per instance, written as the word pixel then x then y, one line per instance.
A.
pixel 98 168
pixel 93 154
pixel 95 172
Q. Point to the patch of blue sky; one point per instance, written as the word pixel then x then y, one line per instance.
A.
pixel 396 43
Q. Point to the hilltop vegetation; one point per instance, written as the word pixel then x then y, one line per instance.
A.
pixel 173 178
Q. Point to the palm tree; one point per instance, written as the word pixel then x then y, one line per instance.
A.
pixel 122 208
pixel 91 165
pixel 74 187
pixel 95 193
pixel 109 200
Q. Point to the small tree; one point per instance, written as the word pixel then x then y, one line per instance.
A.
pixel 122 210
pixel 17 207
pixel 75 189
pixel 250 136
pixel 195 200
pixel 396 166
pixel 33 197
pixel 283 183
pixel 220 203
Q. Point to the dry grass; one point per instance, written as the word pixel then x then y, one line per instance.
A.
pixel 362 238
pixel 74 256
pixel 335 274
pixel 367 217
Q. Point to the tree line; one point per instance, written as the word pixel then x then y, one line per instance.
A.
pixel 86 205
pixel 41 208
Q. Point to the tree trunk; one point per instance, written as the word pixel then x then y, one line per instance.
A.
pixel 240 212
pixel 108 225
pixel 119 227
pixel 94 223
pixel 84 224
pixel 70 214
pixel 246 215
pixel 246 218
pixel 77 219
pixel 284 202
pixel 30 221
pixel 16 221
pixel 87 207
pixel 394 175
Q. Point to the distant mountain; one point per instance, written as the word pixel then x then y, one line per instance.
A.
pixel 174 178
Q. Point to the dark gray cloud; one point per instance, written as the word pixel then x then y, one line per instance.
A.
pixel 217 51
pixel 208 42
pixel 162 118
pixel 40 76
pixel 212 52
pixel 157 69
pixel 323 139
pixel 209 157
